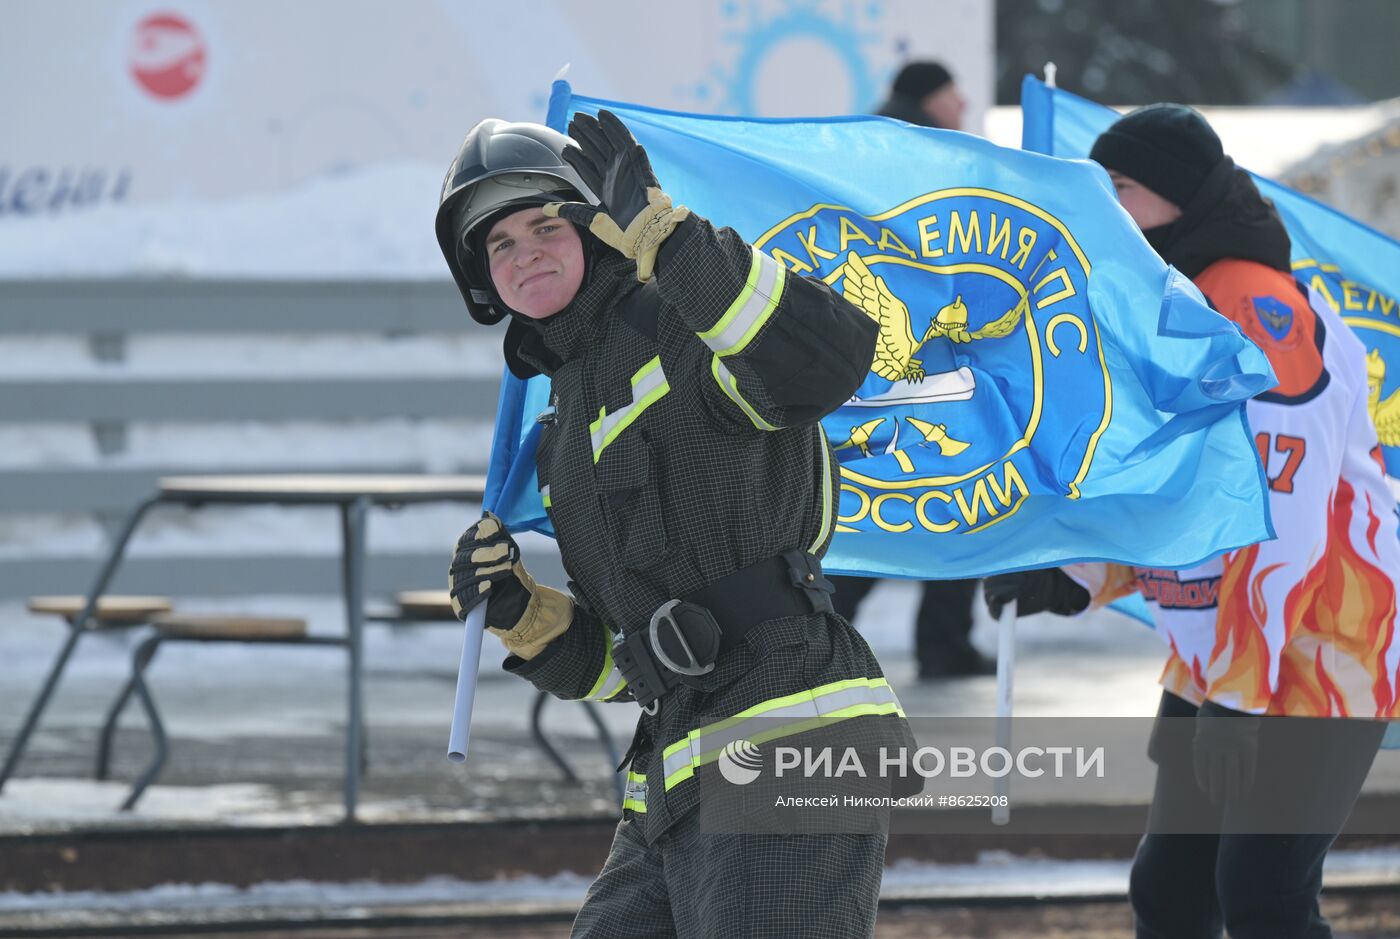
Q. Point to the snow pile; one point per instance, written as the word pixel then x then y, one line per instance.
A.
pixel 374 222
pixel 563 887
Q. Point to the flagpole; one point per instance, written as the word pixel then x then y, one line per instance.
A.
pixel 460 734
pixel 1006 664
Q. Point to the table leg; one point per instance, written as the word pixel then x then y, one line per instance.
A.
pixel 139 661
pixel 610 751
pixel 109 728
pixel 537 731
pixel 353 519
pixel 76 629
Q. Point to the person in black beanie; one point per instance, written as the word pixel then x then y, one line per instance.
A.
pixel 1194 206
pixel 1270 716
pixel 924 93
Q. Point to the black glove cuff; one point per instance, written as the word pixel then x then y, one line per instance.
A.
pixel 506 602
pixel 1039 591
pixel 1067 596
pixel 673 244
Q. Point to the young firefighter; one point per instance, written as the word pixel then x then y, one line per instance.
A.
pixel 692 492
pixel 1267 639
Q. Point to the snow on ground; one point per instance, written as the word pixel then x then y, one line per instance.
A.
pixel 374 223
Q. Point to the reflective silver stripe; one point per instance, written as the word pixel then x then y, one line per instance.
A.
pixel 649 385
pixel 611 685
pixel 751 309
pixel 730 386
pixel 824 449
pixel 780 717
pixel 544 495
pixel 635 796
pixel 610 681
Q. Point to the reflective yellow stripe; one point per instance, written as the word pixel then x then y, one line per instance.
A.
pixel 610 681
pixel 751 309
pixel 803 711
pixel 824 449
pixel 606 671
pixel 730 386
pixel 544 494
pixel 649 385
pixel 635 796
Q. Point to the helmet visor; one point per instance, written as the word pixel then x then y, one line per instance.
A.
pixel 487 198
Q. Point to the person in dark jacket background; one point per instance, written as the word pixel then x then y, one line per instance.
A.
pixel 925 93
pixel 692 492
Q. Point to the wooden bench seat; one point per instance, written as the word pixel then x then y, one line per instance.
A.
pixel 425 604
pixel 112 609
pixel 233 628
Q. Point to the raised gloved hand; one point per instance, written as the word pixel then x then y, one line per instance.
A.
pixel 1050 589
pixel 487 565
pixel 634 216
pixel 1225 751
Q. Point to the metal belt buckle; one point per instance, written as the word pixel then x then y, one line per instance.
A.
pixel 663 614
pixel 621 655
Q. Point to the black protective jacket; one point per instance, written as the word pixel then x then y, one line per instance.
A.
pixel 684 444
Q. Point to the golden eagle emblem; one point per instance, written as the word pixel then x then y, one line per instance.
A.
pixel 1384 414
pixel 896 345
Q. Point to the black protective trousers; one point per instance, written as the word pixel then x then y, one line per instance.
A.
pixel 942 626
pixel 1242 876
pixel 700 885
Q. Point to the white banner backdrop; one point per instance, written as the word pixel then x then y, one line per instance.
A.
pixel 140 101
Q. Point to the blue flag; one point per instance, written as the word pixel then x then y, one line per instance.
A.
pixel 1355 268
pixel 1044 389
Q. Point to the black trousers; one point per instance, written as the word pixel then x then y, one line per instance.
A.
pixel 1203 869
pixel 693 885
pixel 942 626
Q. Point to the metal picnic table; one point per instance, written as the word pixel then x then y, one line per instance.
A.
pixel 352 494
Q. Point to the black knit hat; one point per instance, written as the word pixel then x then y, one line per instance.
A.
pixel 1168 148
pixel 918 79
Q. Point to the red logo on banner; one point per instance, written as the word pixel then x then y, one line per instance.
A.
pixel 167 56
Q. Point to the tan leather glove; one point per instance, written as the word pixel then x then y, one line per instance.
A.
pixel 634 216
pixel 486 565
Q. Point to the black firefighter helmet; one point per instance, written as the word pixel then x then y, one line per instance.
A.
pixel 500 168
